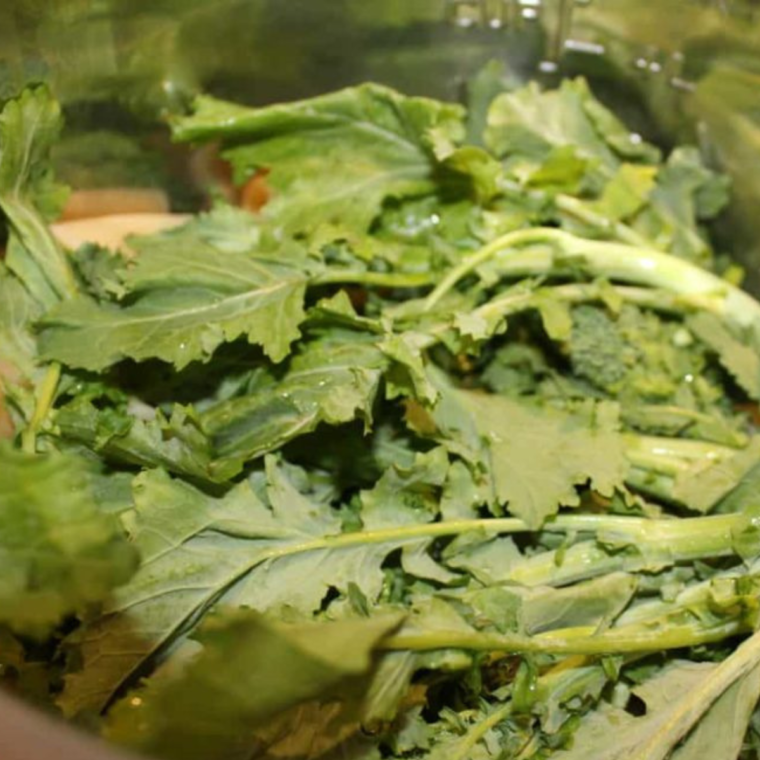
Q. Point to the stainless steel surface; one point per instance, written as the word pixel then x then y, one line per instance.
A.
pixel 681 69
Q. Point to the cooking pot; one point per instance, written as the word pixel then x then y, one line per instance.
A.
pixel 675 70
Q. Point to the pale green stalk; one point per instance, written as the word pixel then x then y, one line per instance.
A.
pixel 585 641
pixel 614 261
pixel 46 393
pixel 376 279
pixel 574 207
pixel 696 703
pixel 671 456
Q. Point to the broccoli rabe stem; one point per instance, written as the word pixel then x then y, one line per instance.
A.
pixel 651 484
pixel 643 545
pixel 671 456
pixel 577 209
pixel 46 394
pixel 586 641
pixel 517 301
pixel 635 543
pixel 580 211
pixel 657 300
pixel 375 279
pixel 463 746
pixel 614 261
pixel 682 538
pixel 473 261
pixel 695 617
pixel 688 418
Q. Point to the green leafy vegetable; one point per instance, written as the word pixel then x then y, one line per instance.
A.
pixel 59 553
pixel 334 158
pixel 450 452
pixel 183 305
pixel 328 663
pixel 29 126
pixel 330 381
pixel 537 457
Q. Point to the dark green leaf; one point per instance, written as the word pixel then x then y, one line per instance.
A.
pixel 334 158
pixel 58 552
pixel 29 126
pixel 185 301
pixel 328 381
pixel 274 667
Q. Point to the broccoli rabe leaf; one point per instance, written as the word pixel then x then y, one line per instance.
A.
pixel 330 380
pixel 29 126
pixel 174 441
pixel 100 271
pixel 404 496
pixel 281 554
pixel 711 737
pixel 626 193
pixel 531 122
pixel 492 80
pixel 18 359
pixel 538 456
pixel 58 552
pixel 738 354
pixel 592 603
pixel 676 699
pixel 703 489
pixel 185 300
pixel 275 668
pixel 333 158
pixel 686 194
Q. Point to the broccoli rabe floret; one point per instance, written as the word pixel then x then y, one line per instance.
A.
pixel 598 352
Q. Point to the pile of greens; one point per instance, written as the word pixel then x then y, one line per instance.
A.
pixel 450 452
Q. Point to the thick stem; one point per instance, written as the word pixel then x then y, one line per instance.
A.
pixel 569 641
pixel 579 210
pixel 614 261
pixel 685 538
pixel 644 546
pixel 671 456
pixel 511 239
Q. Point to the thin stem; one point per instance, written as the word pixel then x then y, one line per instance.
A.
pixel 574 293
pixel 511 239
pixel 672 456
pixel 689 417
pixel 462 748
pixel 44 402
pixel 583 292
pixel 378 279
pixel 583 213
pixel 615 261
pixel 583 641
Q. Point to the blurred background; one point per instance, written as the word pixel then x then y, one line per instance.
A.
pixel 676 70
